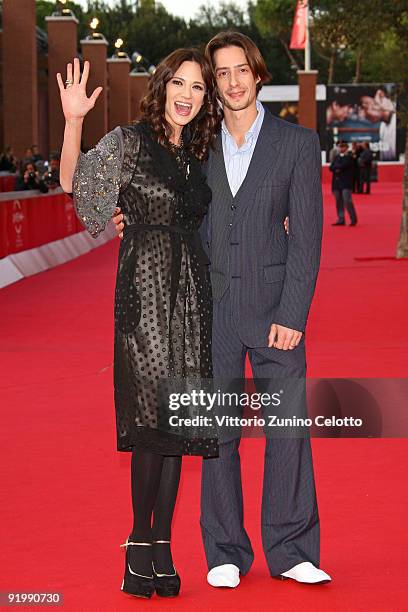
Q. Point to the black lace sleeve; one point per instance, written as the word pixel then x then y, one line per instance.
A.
pixel 97 180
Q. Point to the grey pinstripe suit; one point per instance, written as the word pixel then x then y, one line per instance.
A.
pixel 262 276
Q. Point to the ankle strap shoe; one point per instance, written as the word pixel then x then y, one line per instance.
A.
pixel 134 583
pixel 166 585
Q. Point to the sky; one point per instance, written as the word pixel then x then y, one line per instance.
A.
pixel 183 8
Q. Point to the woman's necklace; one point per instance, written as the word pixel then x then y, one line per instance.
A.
pixel 176 148
pixel 181 157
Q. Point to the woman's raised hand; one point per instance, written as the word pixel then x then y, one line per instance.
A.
pixel 75 103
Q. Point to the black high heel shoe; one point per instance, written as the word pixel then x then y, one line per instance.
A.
pixel 166 585
pixel 135 584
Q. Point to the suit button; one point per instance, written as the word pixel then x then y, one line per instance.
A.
pixel 233 207
pixel 230 224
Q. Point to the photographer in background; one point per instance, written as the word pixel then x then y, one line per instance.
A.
pixel 30 179
pixel 51 176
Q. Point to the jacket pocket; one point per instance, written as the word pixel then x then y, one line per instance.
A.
pixel 274 273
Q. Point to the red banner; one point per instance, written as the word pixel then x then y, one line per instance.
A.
pixel 30 222
pixel 7 182
pixel 299 30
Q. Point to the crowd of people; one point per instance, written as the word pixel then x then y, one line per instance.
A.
pixel 362 163
pixel 32 171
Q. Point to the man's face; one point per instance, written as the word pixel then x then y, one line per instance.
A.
pixel 235 81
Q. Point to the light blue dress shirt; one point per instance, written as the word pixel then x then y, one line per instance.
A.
pixel 237 159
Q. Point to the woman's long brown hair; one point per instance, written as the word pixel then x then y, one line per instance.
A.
pixel 204 127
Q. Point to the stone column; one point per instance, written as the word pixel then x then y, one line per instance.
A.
pixel 119 91
pixel 96 121
pixel 62 48
pixel 307 98
pixel 138 88
pixel 20 93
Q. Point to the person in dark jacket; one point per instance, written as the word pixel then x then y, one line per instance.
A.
pixel 356 151
pixel 8 162
pixel 342 167
pixel 30 179
pixel 365 161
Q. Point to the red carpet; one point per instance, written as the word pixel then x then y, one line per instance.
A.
pixel 65 490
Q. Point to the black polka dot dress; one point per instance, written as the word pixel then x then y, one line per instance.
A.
pixel 163 305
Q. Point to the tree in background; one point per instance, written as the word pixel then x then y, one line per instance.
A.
pixel 227 15
pixel 398 19
pixel 275 18
pixel 329 36
pixel 363 26
pixel 144 26
pixel 45 8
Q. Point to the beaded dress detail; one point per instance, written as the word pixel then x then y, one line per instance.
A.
pixel 163 303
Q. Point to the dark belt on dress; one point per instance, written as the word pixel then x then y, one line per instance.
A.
pixel 138 227
pixel 191 236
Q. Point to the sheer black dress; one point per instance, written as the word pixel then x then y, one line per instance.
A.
pixel 163 305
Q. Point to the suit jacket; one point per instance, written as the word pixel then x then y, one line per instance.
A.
pixel 366 158
pixel 271 276
pixel 343 168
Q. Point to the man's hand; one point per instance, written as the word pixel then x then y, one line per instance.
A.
pixel 284 338
pixel 286 224
pixel 117 218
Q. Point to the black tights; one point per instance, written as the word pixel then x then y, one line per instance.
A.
pixel 155 482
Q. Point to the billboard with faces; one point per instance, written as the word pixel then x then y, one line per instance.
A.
pixel 363 113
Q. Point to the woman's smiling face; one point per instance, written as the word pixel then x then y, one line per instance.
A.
pixel 184 94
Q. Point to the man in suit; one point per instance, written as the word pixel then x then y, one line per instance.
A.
pixel 262 170
pixel 342 168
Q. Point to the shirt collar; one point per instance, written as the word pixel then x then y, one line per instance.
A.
pixel 255 127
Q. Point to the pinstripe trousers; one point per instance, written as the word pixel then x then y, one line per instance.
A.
pixel 290 520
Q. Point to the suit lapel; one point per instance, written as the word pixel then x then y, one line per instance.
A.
pixel 263 159
pixel 219 170
pixel 218 181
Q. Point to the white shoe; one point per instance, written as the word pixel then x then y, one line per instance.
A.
pixel 224 576
pixel 308 573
